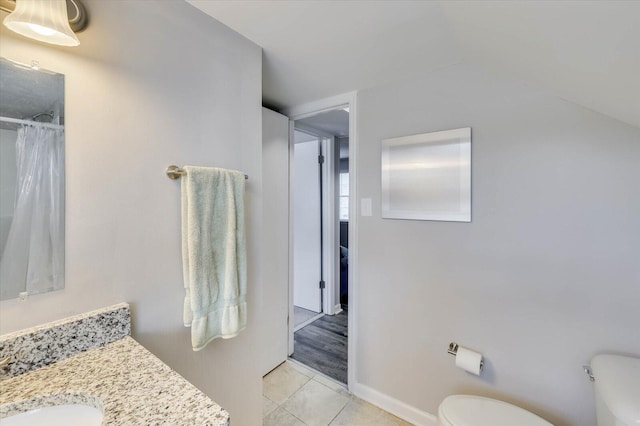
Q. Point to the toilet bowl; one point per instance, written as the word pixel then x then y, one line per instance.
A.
pixel 470 410
pixel 617 387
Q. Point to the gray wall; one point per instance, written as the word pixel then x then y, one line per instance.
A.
pixel 545 276
pixel 153 83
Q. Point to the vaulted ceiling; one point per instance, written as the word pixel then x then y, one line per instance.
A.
pixel 587 52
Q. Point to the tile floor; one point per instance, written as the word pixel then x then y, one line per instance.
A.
pixel 296 396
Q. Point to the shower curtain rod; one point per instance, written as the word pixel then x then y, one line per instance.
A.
pixel 31 123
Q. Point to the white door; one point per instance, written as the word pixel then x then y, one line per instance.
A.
pixel 306 225
pixel 275 239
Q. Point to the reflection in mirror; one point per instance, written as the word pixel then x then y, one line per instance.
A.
pixel 31 180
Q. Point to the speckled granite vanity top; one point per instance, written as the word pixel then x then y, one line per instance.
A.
pixel 123 379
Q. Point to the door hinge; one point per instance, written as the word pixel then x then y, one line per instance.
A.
pixel 321 284
pixel 321 159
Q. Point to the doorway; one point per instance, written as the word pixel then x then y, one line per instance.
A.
pixel 320 253
pixel 307 226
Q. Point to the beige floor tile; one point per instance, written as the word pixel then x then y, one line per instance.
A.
pixel 280 417
pixel 331 384
pixel 267 406
pixel 315 404
pixel 302 369
pixel 282 382
pixel 356 414
pixel 360 413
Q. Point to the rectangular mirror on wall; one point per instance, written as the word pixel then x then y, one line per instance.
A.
pixel 31 180
pixel 427 176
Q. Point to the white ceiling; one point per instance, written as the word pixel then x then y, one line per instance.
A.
pixel 334 122
pixel 587 52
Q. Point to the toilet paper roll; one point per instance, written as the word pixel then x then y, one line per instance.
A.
pixel 469 360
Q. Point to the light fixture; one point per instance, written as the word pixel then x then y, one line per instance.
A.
pixel 43 20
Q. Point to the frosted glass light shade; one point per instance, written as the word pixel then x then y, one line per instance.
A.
pixel 43 20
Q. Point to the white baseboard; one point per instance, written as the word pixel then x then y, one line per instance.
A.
pixel 394 406
pixel 337 309
pixel 307 322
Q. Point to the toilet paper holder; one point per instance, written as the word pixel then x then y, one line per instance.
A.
pixel 453 348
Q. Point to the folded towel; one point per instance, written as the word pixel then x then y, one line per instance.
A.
pixel 213 253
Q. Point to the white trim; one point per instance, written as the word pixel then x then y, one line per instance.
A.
pixel 306 110
pixel 337 309
pixel 330 244
pixel 331 231
pixel 353 276
pixel 307 322
pixel 299 112
pixel 290 323
pixel 301 127
pixel 394 406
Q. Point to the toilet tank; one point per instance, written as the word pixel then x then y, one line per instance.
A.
pixel 617 388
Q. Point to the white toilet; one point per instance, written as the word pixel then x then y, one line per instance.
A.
pixel 617 387
pixel 470 410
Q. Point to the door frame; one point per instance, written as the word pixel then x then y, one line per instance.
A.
pixel 319 293
pixel 275 220
pixel 330 228
pixel 306 110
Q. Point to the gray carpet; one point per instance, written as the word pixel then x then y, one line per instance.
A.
pixel 322 345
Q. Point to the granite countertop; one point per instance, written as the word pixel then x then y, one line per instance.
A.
pixel 123 379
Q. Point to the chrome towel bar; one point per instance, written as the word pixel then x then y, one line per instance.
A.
pixel 174 172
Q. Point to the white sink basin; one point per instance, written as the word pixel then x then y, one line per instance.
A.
pixel 58 415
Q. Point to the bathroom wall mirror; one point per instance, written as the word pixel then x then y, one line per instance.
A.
pixel 427 176
pixel 31 180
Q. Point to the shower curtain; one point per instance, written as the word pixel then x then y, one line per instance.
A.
pixel 33 258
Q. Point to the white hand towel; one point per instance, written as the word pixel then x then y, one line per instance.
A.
pixel 213 253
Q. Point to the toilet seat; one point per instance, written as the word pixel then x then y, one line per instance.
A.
pixel 470 410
